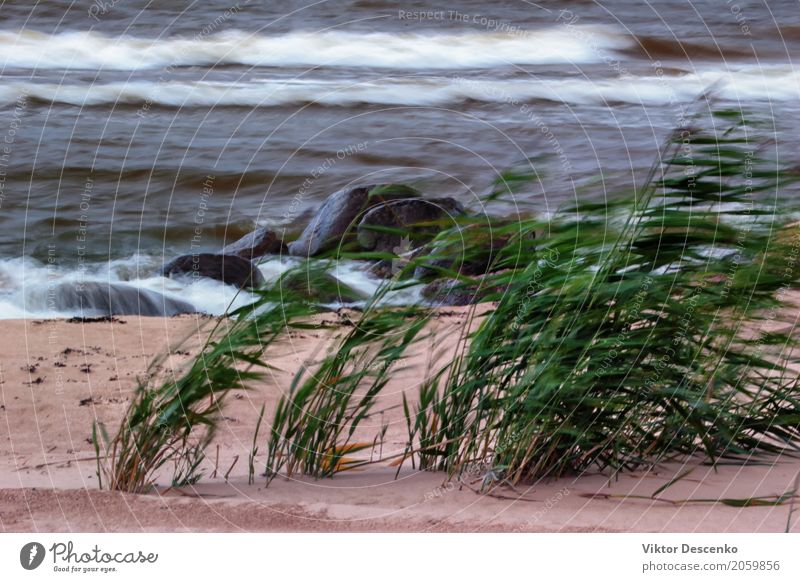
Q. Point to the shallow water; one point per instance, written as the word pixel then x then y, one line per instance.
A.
pixel 113 116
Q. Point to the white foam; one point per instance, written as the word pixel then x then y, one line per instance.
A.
pixel 776 83
pixel 90 50
pixel 25 284
pixel 357 276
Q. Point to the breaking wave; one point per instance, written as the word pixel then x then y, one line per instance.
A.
pixel 776 83
pixel 90 50
pixel 36 290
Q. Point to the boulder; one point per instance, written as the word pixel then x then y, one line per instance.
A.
pixel 317 287
pixel 412 222
pixel 383 269
pixel 105 299
pixel 470 254
pixel 230 269
pixel 398 267
pixel 338 215
pixel 452 292
pixel 258 243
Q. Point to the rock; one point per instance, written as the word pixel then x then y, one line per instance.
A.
pixel 338 215
pixel 106 299
pixel 258 243
pixel 450 292
pixel 229 269
pixel 318 287
pixel 470 254
pixel 383 269
pixel 397 267
pixel 410 220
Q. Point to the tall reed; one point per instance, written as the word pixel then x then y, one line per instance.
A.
pixel 618 334
pixel 636 331
pixel 172 420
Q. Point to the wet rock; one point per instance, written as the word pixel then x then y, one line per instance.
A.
pixel 229 269
pixel 453 292
pixel 397 267
pixel 383 269
pixel 471 253
pixel 338 215
pixel 450 292
pixel 401 225
pixel 318 287
pixel 258 243
pixel 107 299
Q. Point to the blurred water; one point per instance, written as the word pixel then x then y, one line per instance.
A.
pixel 113 115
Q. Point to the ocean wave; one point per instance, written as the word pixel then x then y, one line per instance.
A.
pixel 781 83
pixel 27 286
pixel 90 50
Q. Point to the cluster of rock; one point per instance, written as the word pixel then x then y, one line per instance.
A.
pixel 386 218
pixel 378 218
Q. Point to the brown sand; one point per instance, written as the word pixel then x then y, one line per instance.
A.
pixel 56 377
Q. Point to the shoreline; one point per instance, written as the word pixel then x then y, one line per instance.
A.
pixel 57 376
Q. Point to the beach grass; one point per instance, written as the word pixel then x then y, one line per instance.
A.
pixel 630 338
pixel 618 335
pixel 171 421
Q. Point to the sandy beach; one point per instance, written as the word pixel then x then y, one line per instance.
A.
pixel 57 376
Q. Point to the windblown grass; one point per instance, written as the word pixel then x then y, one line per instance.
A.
pixel 634 332
pixel 620 334
pixel 173 421
pixel 315 423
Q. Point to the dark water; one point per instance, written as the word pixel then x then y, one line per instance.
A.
pixel 113 126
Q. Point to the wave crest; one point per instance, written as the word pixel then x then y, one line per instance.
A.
pixel 90 50
pixel 746 84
